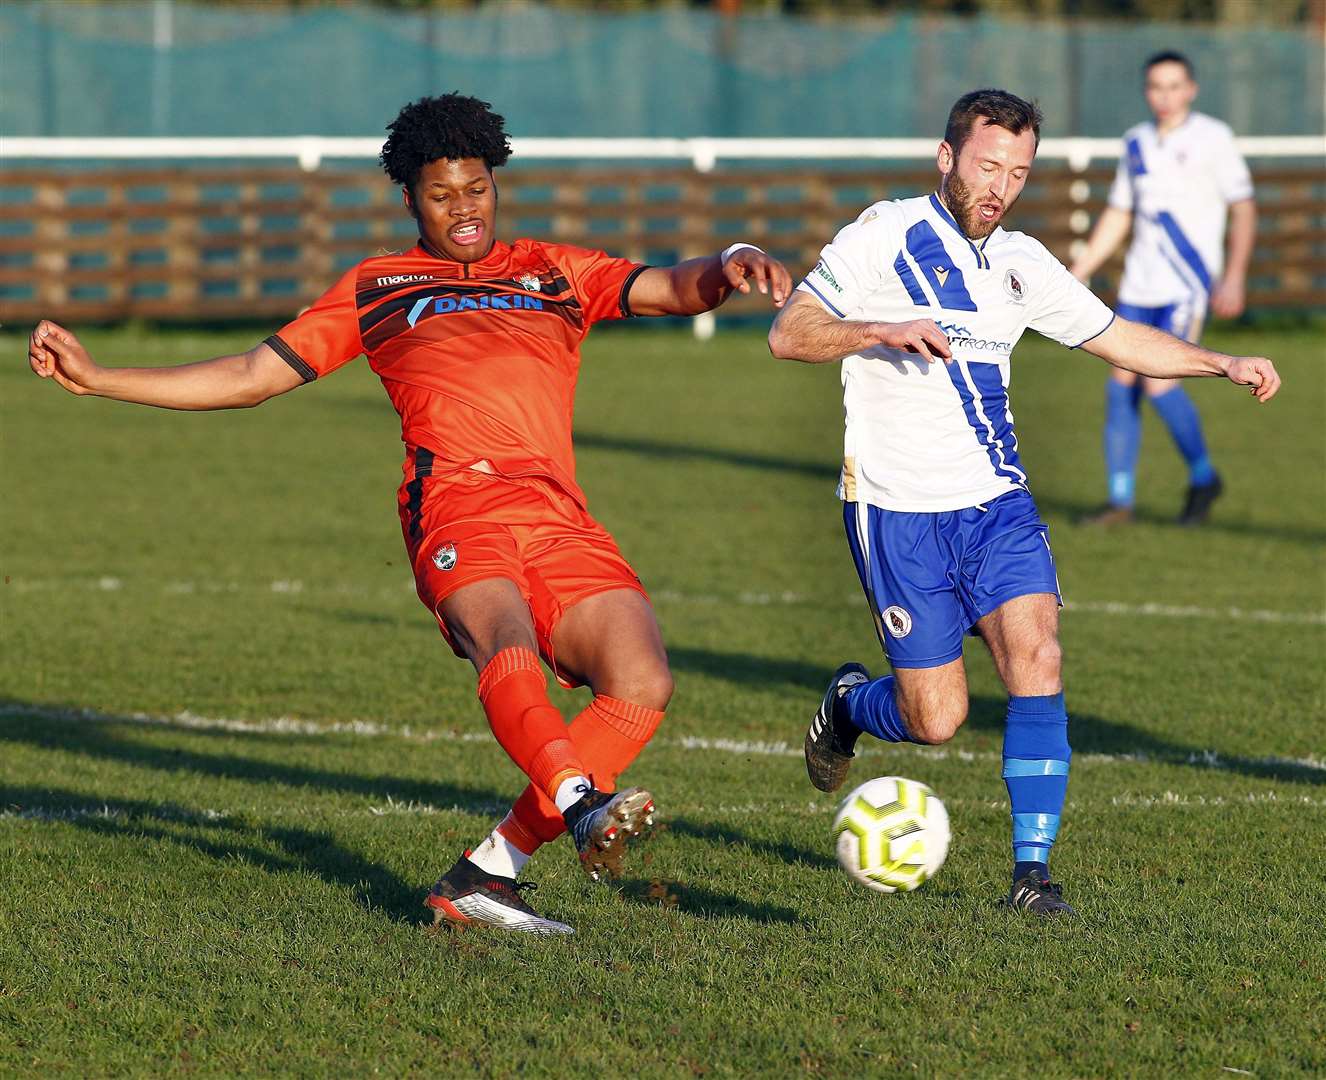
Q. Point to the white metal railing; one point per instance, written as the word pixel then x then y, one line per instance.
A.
pixel 703 153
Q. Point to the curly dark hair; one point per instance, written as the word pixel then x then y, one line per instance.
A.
pixel 452 126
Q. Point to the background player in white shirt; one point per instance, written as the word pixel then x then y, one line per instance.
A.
pixel 1179 177
pixel 923 300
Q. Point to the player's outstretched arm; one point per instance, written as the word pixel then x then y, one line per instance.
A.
pixel 1152 352
pixel 1110 231
pixel 699 285
pixel 804 331
pixel 225 382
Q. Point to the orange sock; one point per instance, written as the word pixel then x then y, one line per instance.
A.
pixel 515 697
pixel 609 733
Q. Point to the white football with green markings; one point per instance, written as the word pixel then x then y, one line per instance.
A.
pixel 892 834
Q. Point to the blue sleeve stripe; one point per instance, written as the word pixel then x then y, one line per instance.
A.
pixel 909 281
pixel 823 299
pixel 1026 767
pixel 1186 251
pixel 1136 166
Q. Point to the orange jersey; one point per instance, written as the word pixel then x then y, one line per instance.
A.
pixel 480 359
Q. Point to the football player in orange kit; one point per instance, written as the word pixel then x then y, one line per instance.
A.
pixel 478 346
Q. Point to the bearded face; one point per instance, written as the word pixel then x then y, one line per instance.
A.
pixel 984 179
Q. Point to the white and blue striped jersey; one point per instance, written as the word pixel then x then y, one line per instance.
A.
pixel 1178 190
pixel 930 438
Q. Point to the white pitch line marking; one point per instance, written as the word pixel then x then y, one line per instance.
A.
pixel 786 598
pixel 1172 611
pixel 285 725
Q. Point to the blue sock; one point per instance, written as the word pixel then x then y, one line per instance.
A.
pixel 1036 756
pixel 872 707
pixel 1178 412
pixel 1123 436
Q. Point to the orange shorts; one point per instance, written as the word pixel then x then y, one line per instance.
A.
pixel 464 526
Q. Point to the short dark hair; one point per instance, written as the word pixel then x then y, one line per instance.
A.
pixel 1169 56
pixel 452 126
pixel 997 107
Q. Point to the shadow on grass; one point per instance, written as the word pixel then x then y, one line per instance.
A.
pixel 1073 510
pixel 104 736
pixel 727 835
pixel 275 849
pixel 703 903
pixel 278 847
pixel 1095 735
pixel 746 669
pixel 588 440
pixel 413 620
pixel 1089 734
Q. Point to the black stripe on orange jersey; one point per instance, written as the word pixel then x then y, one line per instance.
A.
pixel 286 353
pixel 624 297
pixel 366 295
pixel 423 468
pixel 370 317
pixel 403 313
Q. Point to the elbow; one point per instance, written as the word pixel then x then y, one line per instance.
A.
pixel 251 389
pixel 779 346
pixel 250 394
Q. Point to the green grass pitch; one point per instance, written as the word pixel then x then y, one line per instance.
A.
pixel 192 886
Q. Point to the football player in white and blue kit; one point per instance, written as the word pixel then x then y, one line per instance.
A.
pixel 1179 178
pixel 923 300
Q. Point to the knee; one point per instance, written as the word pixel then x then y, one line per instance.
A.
pixel 656 691
pixel 649 685
pixel 1044 662
pixel 1035 669
pixel 935 723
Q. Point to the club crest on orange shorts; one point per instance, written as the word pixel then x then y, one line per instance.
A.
pixel 463 526
pixel 444 557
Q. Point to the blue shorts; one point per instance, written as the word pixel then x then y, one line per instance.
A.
pixel 930 577
pixel 1183 320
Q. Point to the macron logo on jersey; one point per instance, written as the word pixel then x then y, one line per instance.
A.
pixel 448 305
pixel 404 279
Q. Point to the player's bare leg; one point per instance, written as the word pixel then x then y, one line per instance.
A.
pixel 611 642
pixel 921 705
pixel 1023 638
pixel 932 701
pixel 487 617
pixel 490 623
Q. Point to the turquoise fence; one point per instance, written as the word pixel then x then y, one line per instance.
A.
pixel 163 68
